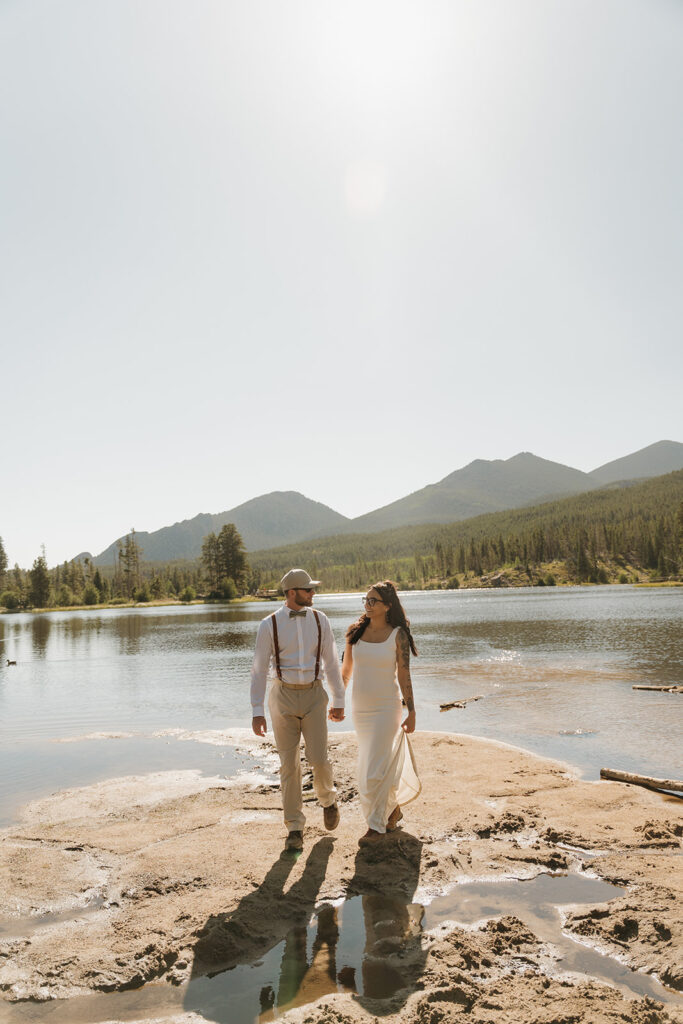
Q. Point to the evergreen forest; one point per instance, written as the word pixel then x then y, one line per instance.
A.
pixel 621 534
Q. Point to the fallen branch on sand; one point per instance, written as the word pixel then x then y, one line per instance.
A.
pixel 660 689
pixel 459 703
pixel 641 780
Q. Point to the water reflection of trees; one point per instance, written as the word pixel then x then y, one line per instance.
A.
pixel 128 633
pixel 180 633
pixel 129 629
pixel 79 632
pixel 41 627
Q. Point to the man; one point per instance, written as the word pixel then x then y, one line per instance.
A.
pixel 299 642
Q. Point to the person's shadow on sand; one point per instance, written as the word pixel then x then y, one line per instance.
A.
pixel 354 944
pixel 386 877
pixel 261 920
pixel 353 948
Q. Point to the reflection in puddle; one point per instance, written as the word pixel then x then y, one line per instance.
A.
pixel 344 948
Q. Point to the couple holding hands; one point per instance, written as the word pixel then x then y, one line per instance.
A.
pixel 297 641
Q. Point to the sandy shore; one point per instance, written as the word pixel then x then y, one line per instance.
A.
pixel 120 900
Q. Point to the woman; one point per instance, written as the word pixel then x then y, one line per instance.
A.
pixel 377 651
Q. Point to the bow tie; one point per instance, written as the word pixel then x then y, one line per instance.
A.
pixel 293 615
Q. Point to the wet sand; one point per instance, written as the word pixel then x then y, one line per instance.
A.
pixel 147 898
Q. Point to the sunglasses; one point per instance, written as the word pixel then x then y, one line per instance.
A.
pixel 372 601
pixel 306 590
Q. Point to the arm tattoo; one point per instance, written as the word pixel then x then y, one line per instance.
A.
pixel 404 663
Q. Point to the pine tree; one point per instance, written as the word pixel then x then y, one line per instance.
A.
pixel 210 560
pixel 39 577
pixel 583 565
pixel 129 559
pixel 232 558
pixel 3 564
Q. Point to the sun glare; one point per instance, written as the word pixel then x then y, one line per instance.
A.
pixel 365 186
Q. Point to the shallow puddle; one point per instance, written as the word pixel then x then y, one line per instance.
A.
pixel 535 902
pixel 24 927
pixel 343 949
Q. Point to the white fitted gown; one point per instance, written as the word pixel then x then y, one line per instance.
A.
pixel 387 774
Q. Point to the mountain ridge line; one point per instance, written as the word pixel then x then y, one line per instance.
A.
pixel 281 518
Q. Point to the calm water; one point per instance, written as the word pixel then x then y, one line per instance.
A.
pixel 554 668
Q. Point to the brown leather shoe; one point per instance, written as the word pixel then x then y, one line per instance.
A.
pixel 394 818
pixel 370 836
pixel 331 817
pixel 294 841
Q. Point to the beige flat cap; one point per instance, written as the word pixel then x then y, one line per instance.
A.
pixel 298 579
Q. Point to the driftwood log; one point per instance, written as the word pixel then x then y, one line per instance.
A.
pixel 661 689
pixel 642 780
pixel 459 703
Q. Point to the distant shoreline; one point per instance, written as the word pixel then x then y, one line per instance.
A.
pixel 250 599
pixel 108 605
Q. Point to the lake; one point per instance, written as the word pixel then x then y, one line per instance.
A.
pixel 554 669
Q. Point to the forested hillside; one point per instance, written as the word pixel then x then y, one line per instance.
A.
pixel 287 517
pixel 621 534
pixel 634 532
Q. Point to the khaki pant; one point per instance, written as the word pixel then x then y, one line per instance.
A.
pixel 293 713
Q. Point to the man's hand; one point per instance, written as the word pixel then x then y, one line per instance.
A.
pixel 336 714
pixel 259 726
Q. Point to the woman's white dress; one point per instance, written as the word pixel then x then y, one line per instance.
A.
pixel 387 774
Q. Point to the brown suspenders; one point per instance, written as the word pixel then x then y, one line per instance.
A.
pixel 277 645
pixel 320 641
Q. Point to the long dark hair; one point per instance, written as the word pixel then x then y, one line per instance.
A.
pixel 395 616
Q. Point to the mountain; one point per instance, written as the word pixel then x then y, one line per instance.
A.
pixel 482 486
pixel 633 514
pixel 656 459
pixel 285 517
pixel 271 519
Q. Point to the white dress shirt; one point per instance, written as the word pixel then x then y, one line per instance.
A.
pixel 298 643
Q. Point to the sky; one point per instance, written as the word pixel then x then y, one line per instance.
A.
pixel 342 249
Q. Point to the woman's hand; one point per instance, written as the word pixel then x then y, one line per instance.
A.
pixel 409 724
